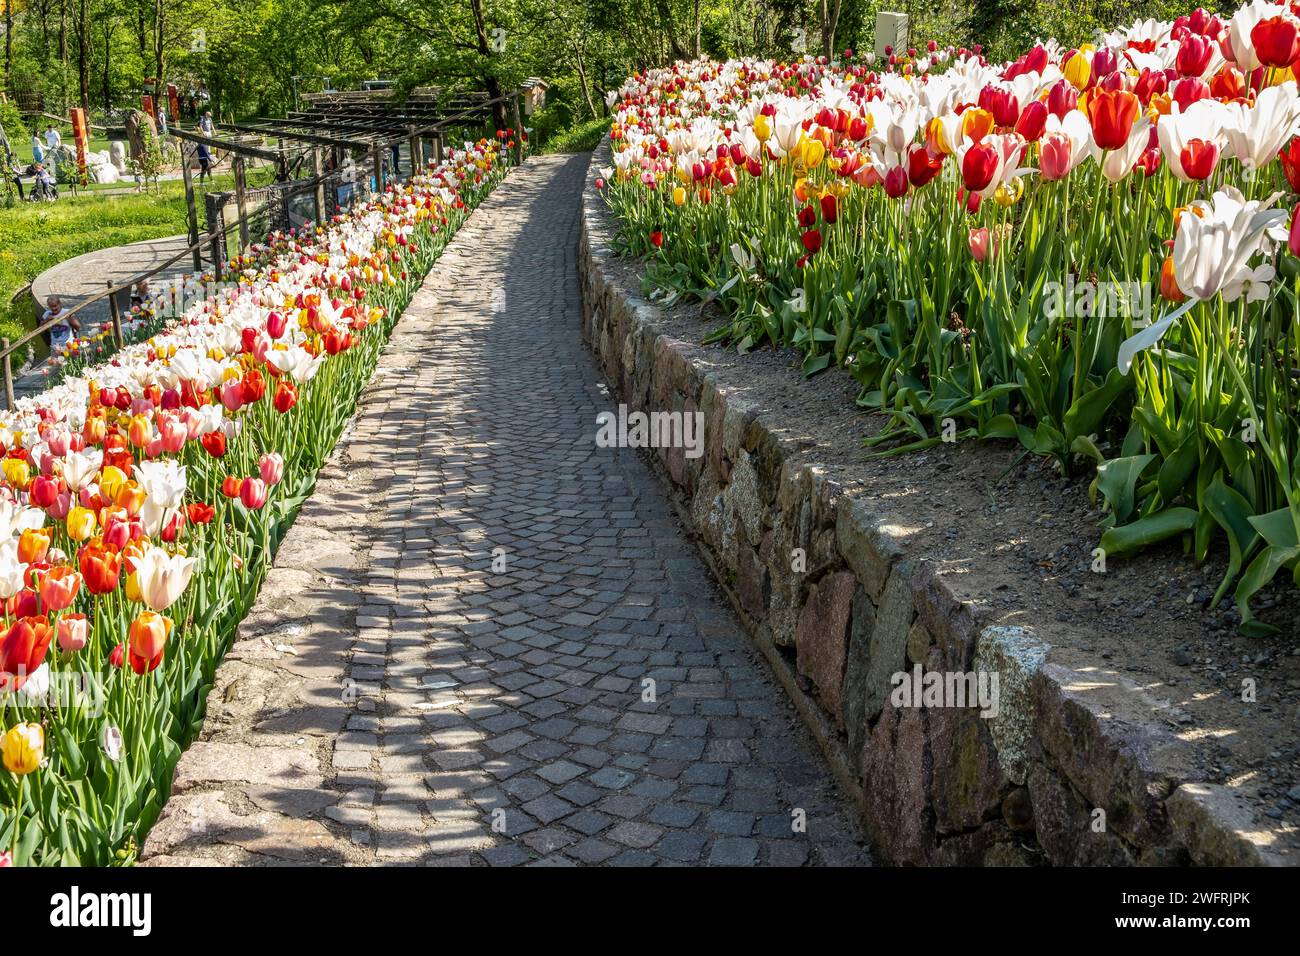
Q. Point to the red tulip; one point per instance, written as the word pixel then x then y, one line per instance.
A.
pixel 812 241
pixel 979 166
pixel 922 166
pixel 45 491
pixel 1032 121
pixel 1274 40
pixel 1198 158
pixel 1289 156
pixel 286 396
pixel 896 182
pixel 830 208
pixel 1293 240
pixel 252 492
pixel 214 443
pixel 276 323
pixel 1112 115
pixel 657 239
pixel 1194 53
pixel 23 649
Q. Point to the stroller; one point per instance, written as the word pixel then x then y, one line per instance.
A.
pixel 44 186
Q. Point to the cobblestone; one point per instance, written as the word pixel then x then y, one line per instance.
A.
pixel 504 595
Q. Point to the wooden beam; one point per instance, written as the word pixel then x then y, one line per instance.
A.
pixel 191 209
pixel 241 201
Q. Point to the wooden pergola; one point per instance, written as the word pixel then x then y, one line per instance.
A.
pixel 370 122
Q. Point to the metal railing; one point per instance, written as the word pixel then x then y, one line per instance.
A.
pixel 111 292
pixel 216 236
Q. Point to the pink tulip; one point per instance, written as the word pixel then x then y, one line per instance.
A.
pixel 276 323
pixel 60 442
pixel 252 492
pixel 154 448
pixel 272 468
pixel 1054 156
pixel 979 244
pixel 232 395
pixel 173 434
pixel 74 632
pixel 62 505
pixel 192 421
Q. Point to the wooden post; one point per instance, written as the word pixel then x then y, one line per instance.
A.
pixel 241 202
pixel 9 376
pixel 318 168
pixel 216 242
pixel 417 154
pixel 115 310
pixel 377 157
pixel 437 147
pixel 519 132
pixel 191 210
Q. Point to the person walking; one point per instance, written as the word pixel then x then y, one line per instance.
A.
pixel 53 140
pixel 38 149
pixel 205 161
pixel 61 332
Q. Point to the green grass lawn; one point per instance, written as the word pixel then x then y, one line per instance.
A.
pixel 36 236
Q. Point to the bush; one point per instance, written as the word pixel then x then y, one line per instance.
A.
pixel 582 138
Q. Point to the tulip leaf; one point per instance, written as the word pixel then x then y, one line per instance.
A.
pixel 1147 531
pixel 1116 480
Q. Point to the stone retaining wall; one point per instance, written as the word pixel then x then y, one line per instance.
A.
pixel 936 786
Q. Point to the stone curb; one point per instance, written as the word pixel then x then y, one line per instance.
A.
pixel 1075 768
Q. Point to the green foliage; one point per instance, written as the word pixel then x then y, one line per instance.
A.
pixel 34 237
pixel 582 138
pixel 13 124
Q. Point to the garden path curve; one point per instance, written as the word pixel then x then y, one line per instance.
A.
pixel 395 697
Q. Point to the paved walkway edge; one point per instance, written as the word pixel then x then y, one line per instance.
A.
pixel 395 697
pixel 937 786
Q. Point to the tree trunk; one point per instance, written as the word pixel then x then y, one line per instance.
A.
pixel 490 81
pixel 9 45
pixel 159 25
pixel 108 52
pixel 83 53
pixel 830 23
pixel 582 79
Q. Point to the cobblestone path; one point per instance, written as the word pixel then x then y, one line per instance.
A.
pixel 534 664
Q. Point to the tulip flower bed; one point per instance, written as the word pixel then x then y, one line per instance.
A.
pixel 1084 250
pixel 143 500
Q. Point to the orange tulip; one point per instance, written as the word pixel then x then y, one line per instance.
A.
pixel 147 639
pixel 100 568
pixel 33 545
pixel 59 587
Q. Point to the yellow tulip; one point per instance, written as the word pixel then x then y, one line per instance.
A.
pixel 23 748
pixel 81 523
pixel 1078 69
pixel 762 127
pixel 679 196
pixel 111 481
pixel 811 152
pixel 17 472
pixel 1009 193
pixel 133 587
